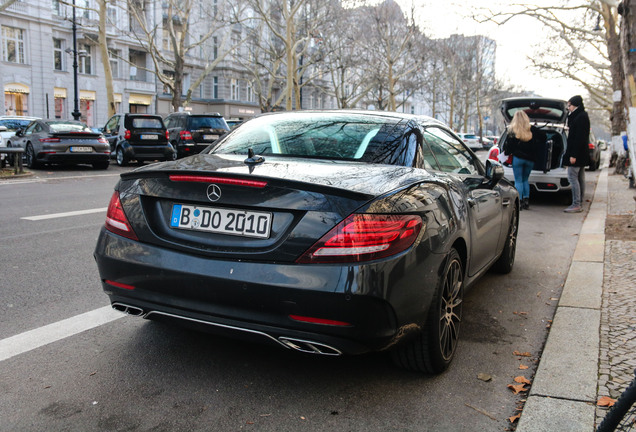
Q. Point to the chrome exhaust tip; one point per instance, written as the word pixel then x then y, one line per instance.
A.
pixel 309 347
pixel 128 310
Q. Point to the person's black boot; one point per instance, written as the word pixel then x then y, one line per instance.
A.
pixel 526 204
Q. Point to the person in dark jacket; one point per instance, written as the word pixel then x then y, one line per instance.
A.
pixel 522 142
pixel 577 155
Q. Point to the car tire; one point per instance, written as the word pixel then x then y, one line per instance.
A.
pixel 120 157
pixel 433 349
pixel 506 261
pixel 101 165
pixel 31 161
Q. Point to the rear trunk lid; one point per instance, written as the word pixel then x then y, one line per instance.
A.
pixel 538 109
pixel 216 205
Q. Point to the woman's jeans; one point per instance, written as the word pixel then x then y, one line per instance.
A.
pixel 521 169
pixel 576 177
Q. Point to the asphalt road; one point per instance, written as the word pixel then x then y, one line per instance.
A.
pixel 128 374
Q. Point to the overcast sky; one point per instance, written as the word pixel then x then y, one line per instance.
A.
pixel 515 41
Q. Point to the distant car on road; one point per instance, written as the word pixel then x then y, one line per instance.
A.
pixel 471 141
pixel 191 133
pixel 140 137
pixel 62 142
pixel 595 153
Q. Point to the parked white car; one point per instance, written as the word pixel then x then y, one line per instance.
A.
pixel 9 125
pixel 471 140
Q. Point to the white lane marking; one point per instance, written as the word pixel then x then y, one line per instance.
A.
pixel 48 179
pixel 36 338
pixel 66 214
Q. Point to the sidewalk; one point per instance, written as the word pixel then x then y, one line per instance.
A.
pixel 590 348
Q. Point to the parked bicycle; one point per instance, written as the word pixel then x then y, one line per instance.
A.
pixel 622 416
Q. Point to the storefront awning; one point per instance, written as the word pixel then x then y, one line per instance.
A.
pixel 139 99
pixel 87 95
pixel 59 92
pixel 117 97
pixel 16 88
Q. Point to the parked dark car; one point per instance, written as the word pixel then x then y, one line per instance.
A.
pixel 328 232
pixel 191 133
pixel 140 137
pixel 61 142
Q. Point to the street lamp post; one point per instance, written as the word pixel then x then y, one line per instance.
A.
pixel 76 112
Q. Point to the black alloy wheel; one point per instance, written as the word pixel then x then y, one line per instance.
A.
pixel 434 348
pixel 507 259
pixel 31 161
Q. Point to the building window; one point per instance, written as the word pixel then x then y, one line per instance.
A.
pixel 111 13
pixel 58 54
pixel 59 107
pixel 215 48
pixel 85 60
pixel 169 75
pixel 114 56
pixel 215 88
pixel 249 92
pixel 56 6
pixel 13 45
pixel 234 89
pixel 84 9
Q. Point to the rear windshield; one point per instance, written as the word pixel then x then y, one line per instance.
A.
pixel 208 122
pixel 147 123
pixel 59 127
pixel 373 139
pixel 539 112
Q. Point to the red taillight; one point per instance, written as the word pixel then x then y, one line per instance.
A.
pixel 185 135
pixel 49 140
pixel 364 237
pixel 102 140
pixel 493 153
pixel 127 134
pixel 116 220
pixel 591 146
pixel 314 320
pixel 168 135
pixel 219 180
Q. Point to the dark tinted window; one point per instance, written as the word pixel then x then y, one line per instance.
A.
pixel 207 122
pixel 13 125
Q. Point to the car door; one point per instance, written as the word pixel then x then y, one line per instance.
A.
pixel 111 131
pixel 484 204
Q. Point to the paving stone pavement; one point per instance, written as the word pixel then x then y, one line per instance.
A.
pixel 617 354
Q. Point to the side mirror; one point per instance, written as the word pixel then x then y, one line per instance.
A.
pixel 494 173
pixel 19 132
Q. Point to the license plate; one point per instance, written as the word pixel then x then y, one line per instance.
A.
pixel 221 220
pixel 210 137
pixel 76 149
pixel 149 137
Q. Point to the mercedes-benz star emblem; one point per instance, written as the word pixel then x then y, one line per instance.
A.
pixel 214 192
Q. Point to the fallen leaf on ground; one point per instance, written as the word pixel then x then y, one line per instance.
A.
pixel 522 379
pixel 484 377
pixel 606 401
pixel 522 354
pixel 514 418
pixel 520 313
pixel 523 367
pixel 517 388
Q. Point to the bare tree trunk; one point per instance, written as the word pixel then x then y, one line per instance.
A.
pixel 103 48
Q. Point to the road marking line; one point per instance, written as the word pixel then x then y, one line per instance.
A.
pixel 36 338
pixel 66 214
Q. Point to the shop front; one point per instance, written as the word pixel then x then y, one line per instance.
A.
pixel 139 103
pixel 16 99
pixel 87 107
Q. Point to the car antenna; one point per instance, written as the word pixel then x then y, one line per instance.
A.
pixel 252 159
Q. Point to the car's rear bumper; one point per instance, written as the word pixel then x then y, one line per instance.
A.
pixel 73 158
pixel 147 152
pixel 555 180
pixel 366 307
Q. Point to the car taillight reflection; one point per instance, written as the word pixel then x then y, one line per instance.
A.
pixel 127 134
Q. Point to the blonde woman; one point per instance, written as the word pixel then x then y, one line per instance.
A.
pixel 521 143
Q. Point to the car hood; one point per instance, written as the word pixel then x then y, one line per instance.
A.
pixel 356 177
pixel 538 109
